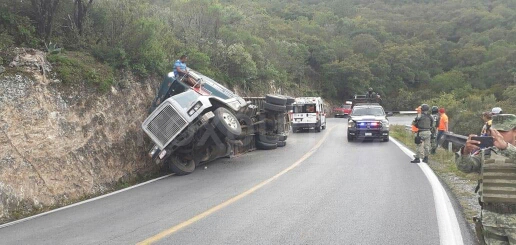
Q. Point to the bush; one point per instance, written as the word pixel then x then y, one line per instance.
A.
pixel 18 30
pixel 76 67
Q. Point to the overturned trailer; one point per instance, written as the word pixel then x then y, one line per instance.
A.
pixel 192 125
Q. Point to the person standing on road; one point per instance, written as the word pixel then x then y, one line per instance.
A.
pixel 488 121
pixel 424 124
pixel 443 125
pixel 497 195
pixel 435 118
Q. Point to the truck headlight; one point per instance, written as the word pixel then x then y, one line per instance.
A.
pixel 351 124
pixel 195 108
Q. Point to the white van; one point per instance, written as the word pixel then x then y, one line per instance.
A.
pixel 309 112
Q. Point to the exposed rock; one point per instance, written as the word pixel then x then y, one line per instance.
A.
pixel 59 143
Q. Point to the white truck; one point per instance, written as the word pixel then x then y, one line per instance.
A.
pixel 191 125
pixel 309 112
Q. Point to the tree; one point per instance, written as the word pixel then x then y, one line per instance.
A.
pixel 367 45
pixel 448 81
pixel 80 11
pixel 44 12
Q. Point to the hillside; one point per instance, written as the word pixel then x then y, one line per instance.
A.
pixel 337 48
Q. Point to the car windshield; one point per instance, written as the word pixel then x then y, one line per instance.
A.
pixel 368 111
pixel 306 108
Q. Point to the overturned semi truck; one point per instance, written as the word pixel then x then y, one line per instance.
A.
pixel 192 125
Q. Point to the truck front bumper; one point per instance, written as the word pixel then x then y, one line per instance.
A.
pixel 305 125
pixel 368 133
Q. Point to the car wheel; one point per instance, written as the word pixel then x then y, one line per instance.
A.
pixel 282 143
pixel 274 108
pixel 276 99
pixel 350 138
pixel 180 166
pixel 282 137
pixel 265 146
pixel 227 123
pixel 324 127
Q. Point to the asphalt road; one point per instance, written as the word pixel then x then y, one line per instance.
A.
pixel 341 193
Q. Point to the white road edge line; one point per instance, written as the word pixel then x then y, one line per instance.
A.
pixel 449 229
pixel 83 202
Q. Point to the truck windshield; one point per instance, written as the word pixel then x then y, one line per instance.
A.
pixel 306 108
pixel 186 99
pixel 368 112
pixel 215 88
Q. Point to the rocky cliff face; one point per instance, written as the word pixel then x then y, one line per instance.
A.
pixel 59 143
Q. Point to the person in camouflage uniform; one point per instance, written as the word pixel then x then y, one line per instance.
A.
pixel 433 141
pixel 424 123
pixel 496 188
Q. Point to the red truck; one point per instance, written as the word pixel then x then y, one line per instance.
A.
pixel 343 111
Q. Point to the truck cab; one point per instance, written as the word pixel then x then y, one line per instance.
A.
pixel 308 112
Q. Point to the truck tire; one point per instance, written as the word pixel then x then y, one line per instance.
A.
pixel 282 137
pixel 275 99
pixel 227 123
pixel 274 108
pixel 290 100
pixel 268 139
pixel 282 143
pixel 246 121
pixel 265 146
pixel 180 166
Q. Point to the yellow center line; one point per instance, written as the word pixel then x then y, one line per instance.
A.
pixel 228 202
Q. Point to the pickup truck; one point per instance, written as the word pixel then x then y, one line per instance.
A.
pixel 191 125
pixel 342 111
pixel 368 120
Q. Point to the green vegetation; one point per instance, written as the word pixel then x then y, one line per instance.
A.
pixel 410 51
pixel 74 67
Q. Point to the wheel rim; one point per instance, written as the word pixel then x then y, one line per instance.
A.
pixel 183 162
pixel 230 120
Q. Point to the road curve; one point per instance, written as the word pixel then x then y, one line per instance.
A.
pixel 340 193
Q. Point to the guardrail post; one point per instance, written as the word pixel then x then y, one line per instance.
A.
pixel 450 144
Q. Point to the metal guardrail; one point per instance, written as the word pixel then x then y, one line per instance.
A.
pixel 453 142
pixel 455 139
pixel 449 140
